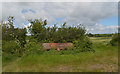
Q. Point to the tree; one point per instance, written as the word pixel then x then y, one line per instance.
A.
pixel 37 29
pixel 13 35
pixel 8 30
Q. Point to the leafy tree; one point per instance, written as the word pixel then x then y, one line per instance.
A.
pixel 8 30
pixel 12 35
pixel 21 36
pixel 37 29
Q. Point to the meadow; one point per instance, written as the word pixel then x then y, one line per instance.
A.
pixel 104 59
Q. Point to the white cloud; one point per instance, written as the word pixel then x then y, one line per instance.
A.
pixel 26 26
pixel 60 0
pixel 87 13
pixel 0 11
pixel 100 28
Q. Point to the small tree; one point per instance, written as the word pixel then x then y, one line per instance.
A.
pixel 11 34
pixel 37 29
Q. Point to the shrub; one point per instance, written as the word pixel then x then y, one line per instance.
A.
pixel 11 47
pixel 115 39
pixel 33 48
pixel 61 52
pixel 10 33
pixel 83 45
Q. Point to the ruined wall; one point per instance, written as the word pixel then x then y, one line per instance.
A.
pixel 57 46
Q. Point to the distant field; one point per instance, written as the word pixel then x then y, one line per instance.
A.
pixel 100 39
pixel 105 59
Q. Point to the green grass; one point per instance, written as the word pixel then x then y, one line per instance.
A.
pixel 0 64
pixel 105 59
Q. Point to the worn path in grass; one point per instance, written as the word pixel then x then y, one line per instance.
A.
pixel 105 59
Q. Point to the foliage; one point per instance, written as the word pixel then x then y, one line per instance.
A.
pixel 115 39
pixel 99 35
pixel 33 48
pixel 62 34
pixel 37 29
pixel 42 34
pixel 10 47
pixel 8 30
pixel 62 52
pixel 55 34
pixel 79 62
pixel 13 38
pixel 21 36
pixel 10 33
pixel 83 45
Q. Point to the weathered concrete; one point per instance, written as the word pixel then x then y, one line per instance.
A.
pixel 57 46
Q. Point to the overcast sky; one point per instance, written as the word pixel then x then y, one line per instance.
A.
pixel 97 17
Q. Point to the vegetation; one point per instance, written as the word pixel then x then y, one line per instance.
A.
pixel 55 34
pixel 115 40
pixel 16 43
pixel 62 34
pixel 105 59
pixel 99 35
pixel 13 38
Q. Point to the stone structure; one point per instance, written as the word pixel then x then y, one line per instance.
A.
pixel 57 46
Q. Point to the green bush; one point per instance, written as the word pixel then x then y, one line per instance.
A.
pixel 83 45
pixel 11 47
pixel 67 52
pixel 52 51
pixel 10 33
pixel 33 48
pixel 115 40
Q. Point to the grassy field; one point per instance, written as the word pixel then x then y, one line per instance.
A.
pixel 105 59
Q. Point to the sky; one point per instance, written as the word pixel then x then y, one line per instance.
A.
pixel 97 17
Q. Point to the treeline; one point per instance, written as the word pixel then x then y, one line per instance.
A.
pixel 99 35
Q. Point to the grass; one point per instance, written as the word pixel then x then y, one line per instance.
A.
pixel 105 59
pixel 0 56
